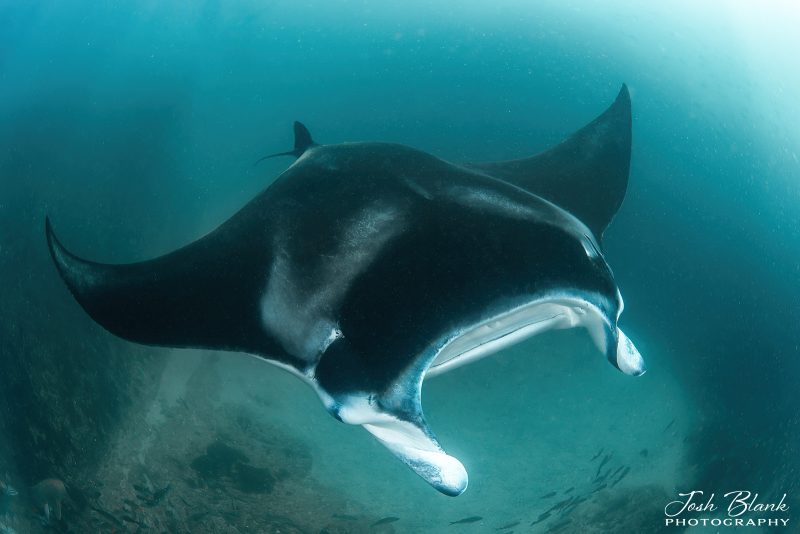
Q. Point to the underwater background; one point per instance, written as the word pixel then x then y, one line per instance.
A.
pixel 135 125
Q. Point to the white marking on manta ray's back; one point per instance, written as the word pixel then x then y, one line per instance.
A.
pixel 511 327
pixel 299 316
pixel 496 200
pixel 493 200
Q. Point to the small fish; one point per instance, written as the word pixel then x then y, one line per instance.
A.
pixel 541 517
pixel 596 456
pixel 385 521
pixel 669 425
pixel 7 490
pixel 569 490
pixel 561 504
pixel 568 509
pixel 346 516
pixel 574 504
pixel 158 496
pixel 621 476
pixel 559 526
pixel 197 516
pixel 129 519
pixel 470 519
pixel 620 468
pixel 643 453
pixel 601 478
pixel 107 515
pixel 598 488
pixel 508 525
pixel 605 460
pixel 548 495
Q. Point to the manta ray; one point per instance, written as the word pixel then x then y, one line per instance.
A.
pixel 366 267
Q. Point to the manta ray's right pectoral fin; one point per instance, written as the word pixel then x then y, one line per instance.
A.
pixel 410 439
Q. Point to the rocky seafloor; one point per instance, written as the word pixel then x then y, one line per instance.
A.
pixel 203 466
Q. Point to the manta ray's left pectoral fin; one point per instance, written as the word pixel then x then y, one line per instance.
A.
pixel 410 439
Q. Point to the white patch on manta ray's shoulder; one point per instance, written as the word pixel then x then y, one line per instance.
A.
pixel 520 204
pixel 299 316
pixel 417 188
pixel 301 333
pixel 306 376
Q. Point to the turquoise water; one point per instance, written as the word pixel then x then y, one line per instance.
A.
pixel 134 126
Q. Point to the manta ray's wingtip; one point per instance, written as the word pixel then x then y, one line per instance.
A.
pixel 67 264
pixel 623 100
pixel 53 244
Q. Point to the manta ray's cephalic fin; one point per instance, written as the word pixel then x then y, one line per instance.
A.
pixel 586 174
pixel 302 142
pixel 416 446
pixel 391 413
pixel 400 426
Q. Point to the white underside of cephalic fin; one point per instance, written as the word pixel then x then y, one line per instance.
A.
pixel 412 443
pixel 511 327
pixel 629 361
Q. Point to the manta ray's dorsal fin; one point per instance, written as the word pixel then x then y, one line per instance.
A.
pixel 587 174
pixel 302 142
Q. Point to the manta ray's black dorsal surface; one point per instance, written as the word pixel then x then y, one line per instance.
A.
pixel 366 267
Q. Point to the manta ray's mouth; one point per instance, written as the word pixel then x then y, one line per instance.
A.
pixel 509 328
